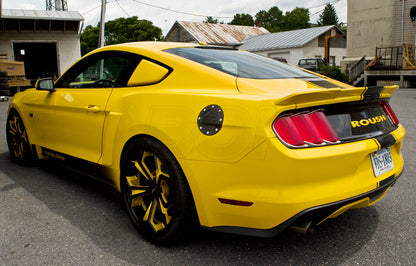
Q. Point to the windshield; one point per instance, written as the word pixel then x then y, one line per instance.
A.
pixel 240 63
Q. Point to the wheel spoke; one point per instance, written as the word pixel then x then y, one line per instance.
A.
pixel 150 217
pixel 137 192
pixel 142 171
pixel 165 192
pixel 159 172
pixel 12 124
pixel 146 155
pixel 165 211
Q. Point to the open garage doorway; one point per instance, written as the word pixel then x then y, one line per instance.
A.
pixel 40 59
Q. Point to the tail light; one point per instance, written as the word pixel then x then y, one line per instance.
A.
pixel 387 108
pixel 305 129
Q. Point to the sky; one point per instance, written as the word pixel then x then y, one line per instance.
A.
pixel 164 13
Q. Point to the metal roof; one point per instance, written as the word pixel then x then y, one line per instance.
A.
pixel 41 14
pixel 212 33
pixel 285 39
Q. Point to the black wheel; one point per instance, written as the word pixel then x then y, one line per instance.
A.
pixel 156 193
pixel 17 140
pixel 3 80
pixel 3 73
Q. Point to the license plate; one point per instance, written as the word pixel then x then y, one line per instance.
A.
pixel 382 161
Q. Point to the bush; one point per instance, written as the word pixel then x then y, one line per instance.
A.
pixel 334 72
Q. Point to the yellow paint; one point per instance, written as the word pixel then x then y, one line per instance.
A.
pixel 243 161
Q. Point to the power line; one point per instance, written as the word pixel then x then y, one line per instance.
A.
pixel 159 7
pixel 193 14
pixel 329 2
pixel 176 11
pixel 122 8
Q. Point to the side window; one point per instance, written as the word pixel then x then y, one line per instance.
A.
pixel 103 70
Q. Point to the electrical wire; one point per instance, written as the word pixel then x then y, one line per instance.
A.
pixel 122 8
pixel 176 11
pixel 155 6
pixel 193 14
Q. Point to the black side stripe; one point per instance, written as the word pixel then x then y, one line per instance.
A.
pixel 372 93
pixel 386 141
pixel 323 83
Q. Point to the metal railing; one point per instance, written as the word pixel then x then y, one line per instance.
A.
pixel 389 57
pixel 357 69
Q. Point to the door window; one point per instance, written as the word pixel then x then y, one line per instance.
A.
pixel 102 70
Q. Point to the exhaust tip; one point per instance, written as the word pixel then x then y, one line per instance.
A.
pixel 303 229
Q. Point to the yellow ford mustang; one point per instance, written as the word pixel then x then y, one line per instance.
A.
pixel 196 135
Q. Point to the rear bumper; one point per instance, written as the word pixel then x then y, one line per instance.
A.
pixel 287 186
pixel 318 214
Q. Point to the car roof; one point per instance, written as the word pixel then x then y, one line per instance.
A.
pixel 149 46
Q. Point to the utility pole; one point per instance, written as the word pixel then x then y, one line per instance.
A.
pixel 101 40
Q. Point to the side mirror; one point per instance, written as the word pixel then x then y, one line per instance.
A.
pixel 45 85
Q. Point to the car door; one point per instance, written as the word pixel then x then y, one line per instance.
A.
pixel 70 120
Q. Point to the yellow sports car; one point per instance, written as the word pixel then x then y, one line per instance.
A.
pixel 197 135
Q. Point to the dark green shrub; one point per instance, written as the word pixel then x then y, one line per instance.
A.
pixel 334 72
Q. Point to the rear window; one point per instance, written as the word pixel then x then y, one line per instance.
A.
pixel 240 63
pixel 307 62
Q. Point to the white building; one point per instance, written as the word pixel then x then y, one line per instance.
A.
pixel 47 41
pixel 297 44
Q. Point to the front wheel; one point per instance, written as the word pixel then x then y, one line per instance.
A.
pixel 155 192
pixel 17 139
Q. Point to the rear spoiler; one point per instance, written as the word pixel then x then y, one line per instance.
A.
pixel 337 95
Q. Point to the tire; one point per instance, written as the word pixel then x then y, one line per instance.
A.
pixel 3 80
pixel 156 194
pixel 17 140
pixel 3 73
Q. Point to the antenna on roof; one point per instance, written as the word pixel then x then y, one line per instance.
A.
pixel 59 5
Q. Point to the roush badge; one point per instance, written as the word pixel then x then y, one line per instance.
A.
pixel 366 122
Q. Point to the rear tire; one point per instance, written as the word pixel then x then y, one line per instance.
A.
pixel 156 194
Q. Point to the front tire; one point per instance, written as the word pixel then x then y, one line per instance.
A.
pixel 155 192
pixel 17 140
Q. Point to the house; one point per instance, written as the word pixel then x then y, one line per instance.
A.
pixel 297 44
pixel 211 33
pixel 380 34
pixel 47 41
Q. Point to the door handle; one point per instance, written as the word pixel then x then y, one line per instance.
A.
pixel 92 108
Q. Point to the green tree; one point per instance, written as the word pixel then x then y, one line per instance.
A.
pixel 271 20
pixel 328 16
pixel 242 19
pixel 89 39
pixel 296 19
pixel 119 31
pixel 210 20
